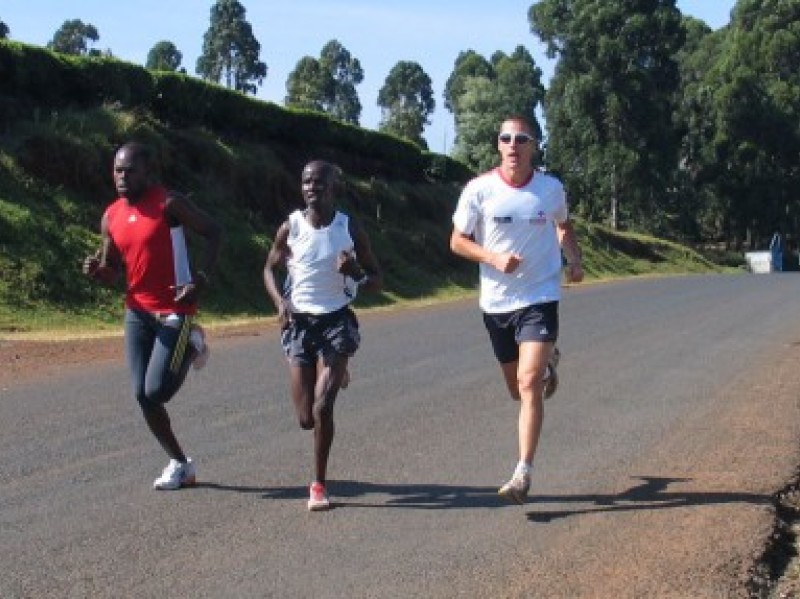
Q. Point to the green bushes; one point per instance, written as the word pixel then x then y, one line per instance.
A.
pixel 36 77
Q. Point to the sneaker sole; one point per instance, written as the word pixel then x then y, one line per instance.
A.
pixel 318 507
pixel 513 496
pixel 189 482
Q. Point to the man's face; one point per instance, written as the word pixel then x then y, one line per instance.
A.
pixel 130 175
pixel 516 144
pixel 317 184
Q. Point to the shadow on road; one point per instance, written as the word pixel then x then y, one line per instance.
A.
pixel 348 493
pixel 650 494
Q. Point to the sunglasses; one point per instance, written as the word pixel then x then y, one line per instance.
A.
pixel 519 138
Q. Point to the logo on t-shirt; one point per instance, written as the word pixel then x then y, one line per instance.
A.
pixel 539 219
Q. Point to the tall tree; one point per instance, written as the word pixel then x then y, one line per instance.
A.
pixel 476 123
pixel 164 56
pixel 327 84
pixel 307 85
pixel 468 64
pixel 345 71
pixel 4 30
pixel 406 100
pixel 73 37
pixel 230 50
pixel 610 103
pixel 751 99
pixel 482 93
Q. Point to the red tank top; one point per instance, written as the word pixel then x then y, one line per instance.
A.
pixel 151 252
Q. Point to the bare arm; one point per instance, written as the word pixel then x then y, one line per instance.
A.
pixel 105 264
pixel 569 244
pixel 465 246
pixel 276 261
pixel 185 212
pixel 363 267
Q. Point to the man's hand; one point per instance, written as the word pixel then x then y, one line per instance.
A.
pixel 347 265
pixel 507 262
pixel 93 269
pixel 574 272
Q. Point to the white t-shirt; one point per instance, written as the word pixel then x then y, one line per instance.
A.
pixel 315 285
pixel 521 219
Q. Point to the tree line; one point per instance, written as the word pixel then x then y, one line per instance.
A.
pixel 654 121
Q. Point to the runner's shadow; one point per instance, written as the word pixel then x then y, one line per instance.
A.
pixel 651 494
pixel 348 493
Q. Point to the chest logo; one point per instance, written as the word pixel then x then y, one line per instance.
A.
pixel 132 218
pixel 539 219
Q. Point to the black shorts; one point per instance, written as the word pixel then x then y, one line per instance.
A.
pixel 507 330
pixel 310 337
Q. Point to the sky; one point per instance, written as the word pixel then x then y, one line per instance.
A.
pixel 379 34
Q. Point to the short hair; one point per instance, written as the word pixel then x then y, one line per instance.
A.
pixel 332 171
pixel 525 121
pixel 137 151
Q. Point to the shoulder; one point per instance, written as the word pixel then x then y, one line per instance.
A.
pixel 547 180
pixel 478 186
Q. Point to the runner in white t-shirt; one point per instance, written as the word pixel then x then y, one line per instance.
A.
pixel 514 222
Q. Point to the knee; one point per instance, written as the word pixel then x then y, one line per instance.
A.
pixel 528 384
pixel 323 409
pixel 152 398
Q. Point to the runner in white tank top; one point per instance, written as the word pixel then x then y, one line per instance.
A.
pixel 328 256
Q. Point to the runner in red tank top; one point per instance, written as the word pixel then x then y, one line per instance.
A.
pixel 143 233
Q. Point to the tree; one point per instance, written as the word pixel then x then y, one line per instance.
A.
pixel 741 109
pixel 4 31
pixel 307 85
pixel 468 64
pixel 406 100
pixel 327 84
pixel 164 56
pixel 476 123
pixel 610 103
pixel 230 50
pixel 73 37
pixel 345 71
pixel 482 93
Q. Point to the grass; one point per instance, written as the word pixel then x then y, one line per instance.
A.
pixel 55 183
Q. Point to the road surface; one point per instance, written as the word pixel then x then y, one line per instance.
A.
pixel 675 423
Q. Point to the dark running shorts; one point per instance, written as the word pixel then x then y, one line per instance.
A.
pixel 507 330
pixel 310 337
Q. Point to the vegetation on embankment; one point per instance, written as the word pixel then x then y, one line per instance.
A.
pixel 55 181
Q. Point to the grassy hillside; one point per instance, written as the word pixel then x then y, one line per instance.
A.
pixel 55 182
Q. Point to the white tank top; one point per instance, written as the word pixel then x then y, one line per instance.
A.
pixel 315 285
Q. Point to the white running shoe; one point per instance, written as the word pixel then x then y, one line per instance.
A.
pixel 197 337
pixel 516 489
pixel 175 476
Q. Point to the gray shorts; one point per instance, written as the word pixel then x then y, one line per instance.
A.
pixel 312 336
pixel 534 323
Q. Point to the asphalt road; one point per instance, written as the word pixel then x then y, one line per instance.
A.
pixel 675 421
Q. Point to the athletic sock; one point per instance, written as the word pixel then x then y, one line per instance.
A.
pixel 523 468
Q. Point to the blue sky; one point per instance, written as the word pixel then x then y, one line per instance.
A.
pixel 378 33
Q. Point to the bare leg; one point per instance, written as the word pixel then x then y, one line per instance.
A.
pixel 303 379
pixel 328 383
pixel 510 377
pixel 533 357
